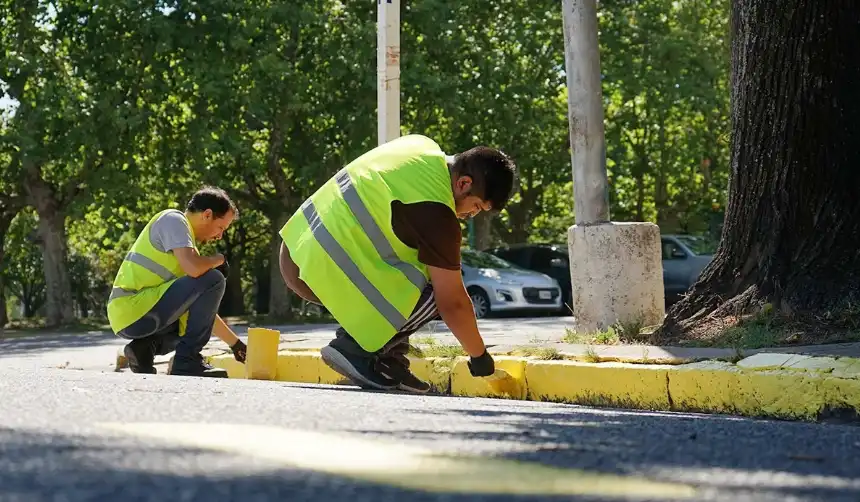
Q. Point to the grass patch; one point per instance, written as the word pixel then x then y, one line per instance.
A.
pixel 423 340
pixel 436 350
pixel 541 353
pixel 633 331
pixel 606 337
pixel 760 330
pixel 629 331
pixel 591 355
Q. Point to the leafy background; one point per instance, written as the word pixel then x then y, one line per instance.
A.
pixel 116 110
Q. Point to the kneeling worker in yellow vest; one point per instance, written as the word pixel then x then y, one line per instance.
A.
pixel 378 245
pixel 165 296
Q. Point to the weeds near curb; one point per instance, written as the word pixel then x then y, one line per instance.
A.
pixel 540 353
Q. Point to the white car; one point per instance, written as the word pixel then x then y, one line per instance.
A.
pixel 496 285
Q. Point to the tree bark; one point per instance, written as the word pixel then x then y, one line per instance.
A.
pixel 483 231
pixel 6 217
pixel 52 237
pixel 792 227
pixel 640 196
pixel 280 298
pixel 233 302
pixel 234 299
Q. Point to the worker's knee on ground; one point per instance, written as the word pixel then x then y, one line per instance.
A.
pixel 214 279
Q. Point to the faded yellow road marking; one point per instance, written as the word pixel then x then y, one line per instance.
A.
pixel 398 464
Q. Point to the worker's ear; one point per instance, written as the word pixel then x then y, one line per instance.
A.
pixel 463 185
pixel 207 214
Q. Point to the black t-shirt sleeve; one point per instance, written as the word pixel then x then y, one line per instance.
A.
pixel 432 228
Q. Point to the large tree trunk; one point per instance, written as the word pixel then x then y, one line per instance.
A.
pixel 483 231
pixel 6 218
pixel 792 227
pixel 234 300
pixel 58 294
pixel 52 237
pixel 4 315
pixel 279 295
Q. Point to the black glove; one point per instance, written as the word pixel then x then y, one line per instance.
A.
pixel 482 365
pixel 240 351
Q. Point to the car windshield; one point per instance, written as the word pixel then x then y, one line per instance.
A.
pixel 479 259
pixel 698 245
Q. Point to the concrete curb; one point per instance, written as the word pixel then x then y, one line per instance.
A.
pixel 784 386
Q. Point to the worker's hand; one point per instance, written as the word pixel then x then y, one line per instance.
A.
pixel 240 351
pixel 482 365
pixel 224 267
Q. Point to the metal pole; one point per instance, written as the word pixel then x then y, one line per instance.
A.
pixel 585 112
pixel 388 69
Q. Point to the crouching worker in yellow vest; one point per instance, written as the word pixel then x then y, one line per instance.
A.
pixel 165 296
pixel 378 245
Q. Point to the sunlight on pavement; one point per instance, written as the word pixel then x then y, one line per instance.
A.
pixel 396 464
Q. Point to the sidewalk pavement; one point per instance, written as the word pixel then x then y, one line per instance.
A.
pixel 819 382
pixel 804 382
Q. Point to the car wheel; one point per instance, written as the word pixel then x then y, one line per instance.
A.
pixel 481 302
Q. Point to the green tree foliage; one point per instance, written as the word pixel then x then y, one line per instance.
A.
pixel 125 108
pixel 22 264
pixel 666 106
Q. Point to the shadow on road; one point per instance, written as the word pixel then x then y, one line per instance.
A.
pixel 50 467
pixel 789 459
pixel 42 343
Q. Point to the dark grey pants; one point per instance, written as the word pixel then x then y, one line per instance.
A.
pixel 396 348
pixel 200 297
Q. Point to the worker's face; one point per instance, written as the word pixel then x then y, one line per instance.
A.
pixel 467 205
pixel 212 228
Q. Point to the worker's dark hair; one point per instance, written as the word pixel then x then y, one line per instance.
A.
pixel 212 198
pixel 492 172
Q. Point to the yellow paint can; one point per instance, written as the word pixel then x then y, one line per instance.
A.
pixel 262 360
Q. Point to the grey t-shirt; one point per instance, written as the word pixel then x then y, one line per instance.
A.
pixel 170 231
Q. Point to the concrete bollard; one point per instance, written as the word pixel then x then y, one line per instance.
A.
pixel 616 273
pixel 262 360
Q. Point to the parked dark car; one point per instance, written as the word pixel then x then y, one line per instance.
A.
pixel 549 259
pixel 684 258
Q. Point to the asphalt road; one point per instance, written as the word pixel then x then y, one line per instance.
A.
pixel 77 435
pixel 97 350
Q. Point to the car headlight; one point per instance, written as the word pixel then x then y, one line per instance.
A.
pixel 496 276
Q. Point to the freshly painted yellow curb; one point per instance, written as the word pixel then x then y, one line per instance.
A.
pixel 640 386
pixel 464 384
pixel 764 385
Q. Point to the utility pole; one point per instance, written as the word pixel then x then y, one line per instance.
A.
pixel 615 273
pixel 585 111
pixel 388 69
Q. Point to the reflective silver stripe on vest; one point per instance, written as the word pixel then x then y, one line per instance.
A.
pixel 349 268
pixel 150 265
pixel 147 263
pixel 368 224
pixel 120 292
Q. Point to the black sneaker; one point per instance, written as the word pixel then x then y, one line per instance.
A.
pixel 358 369
pixel 196 367
pixel 140 354
pixel 406 380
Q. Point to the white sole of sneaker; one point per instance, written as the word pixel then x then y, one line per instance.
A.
pixel 411 390
pixel 340 364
